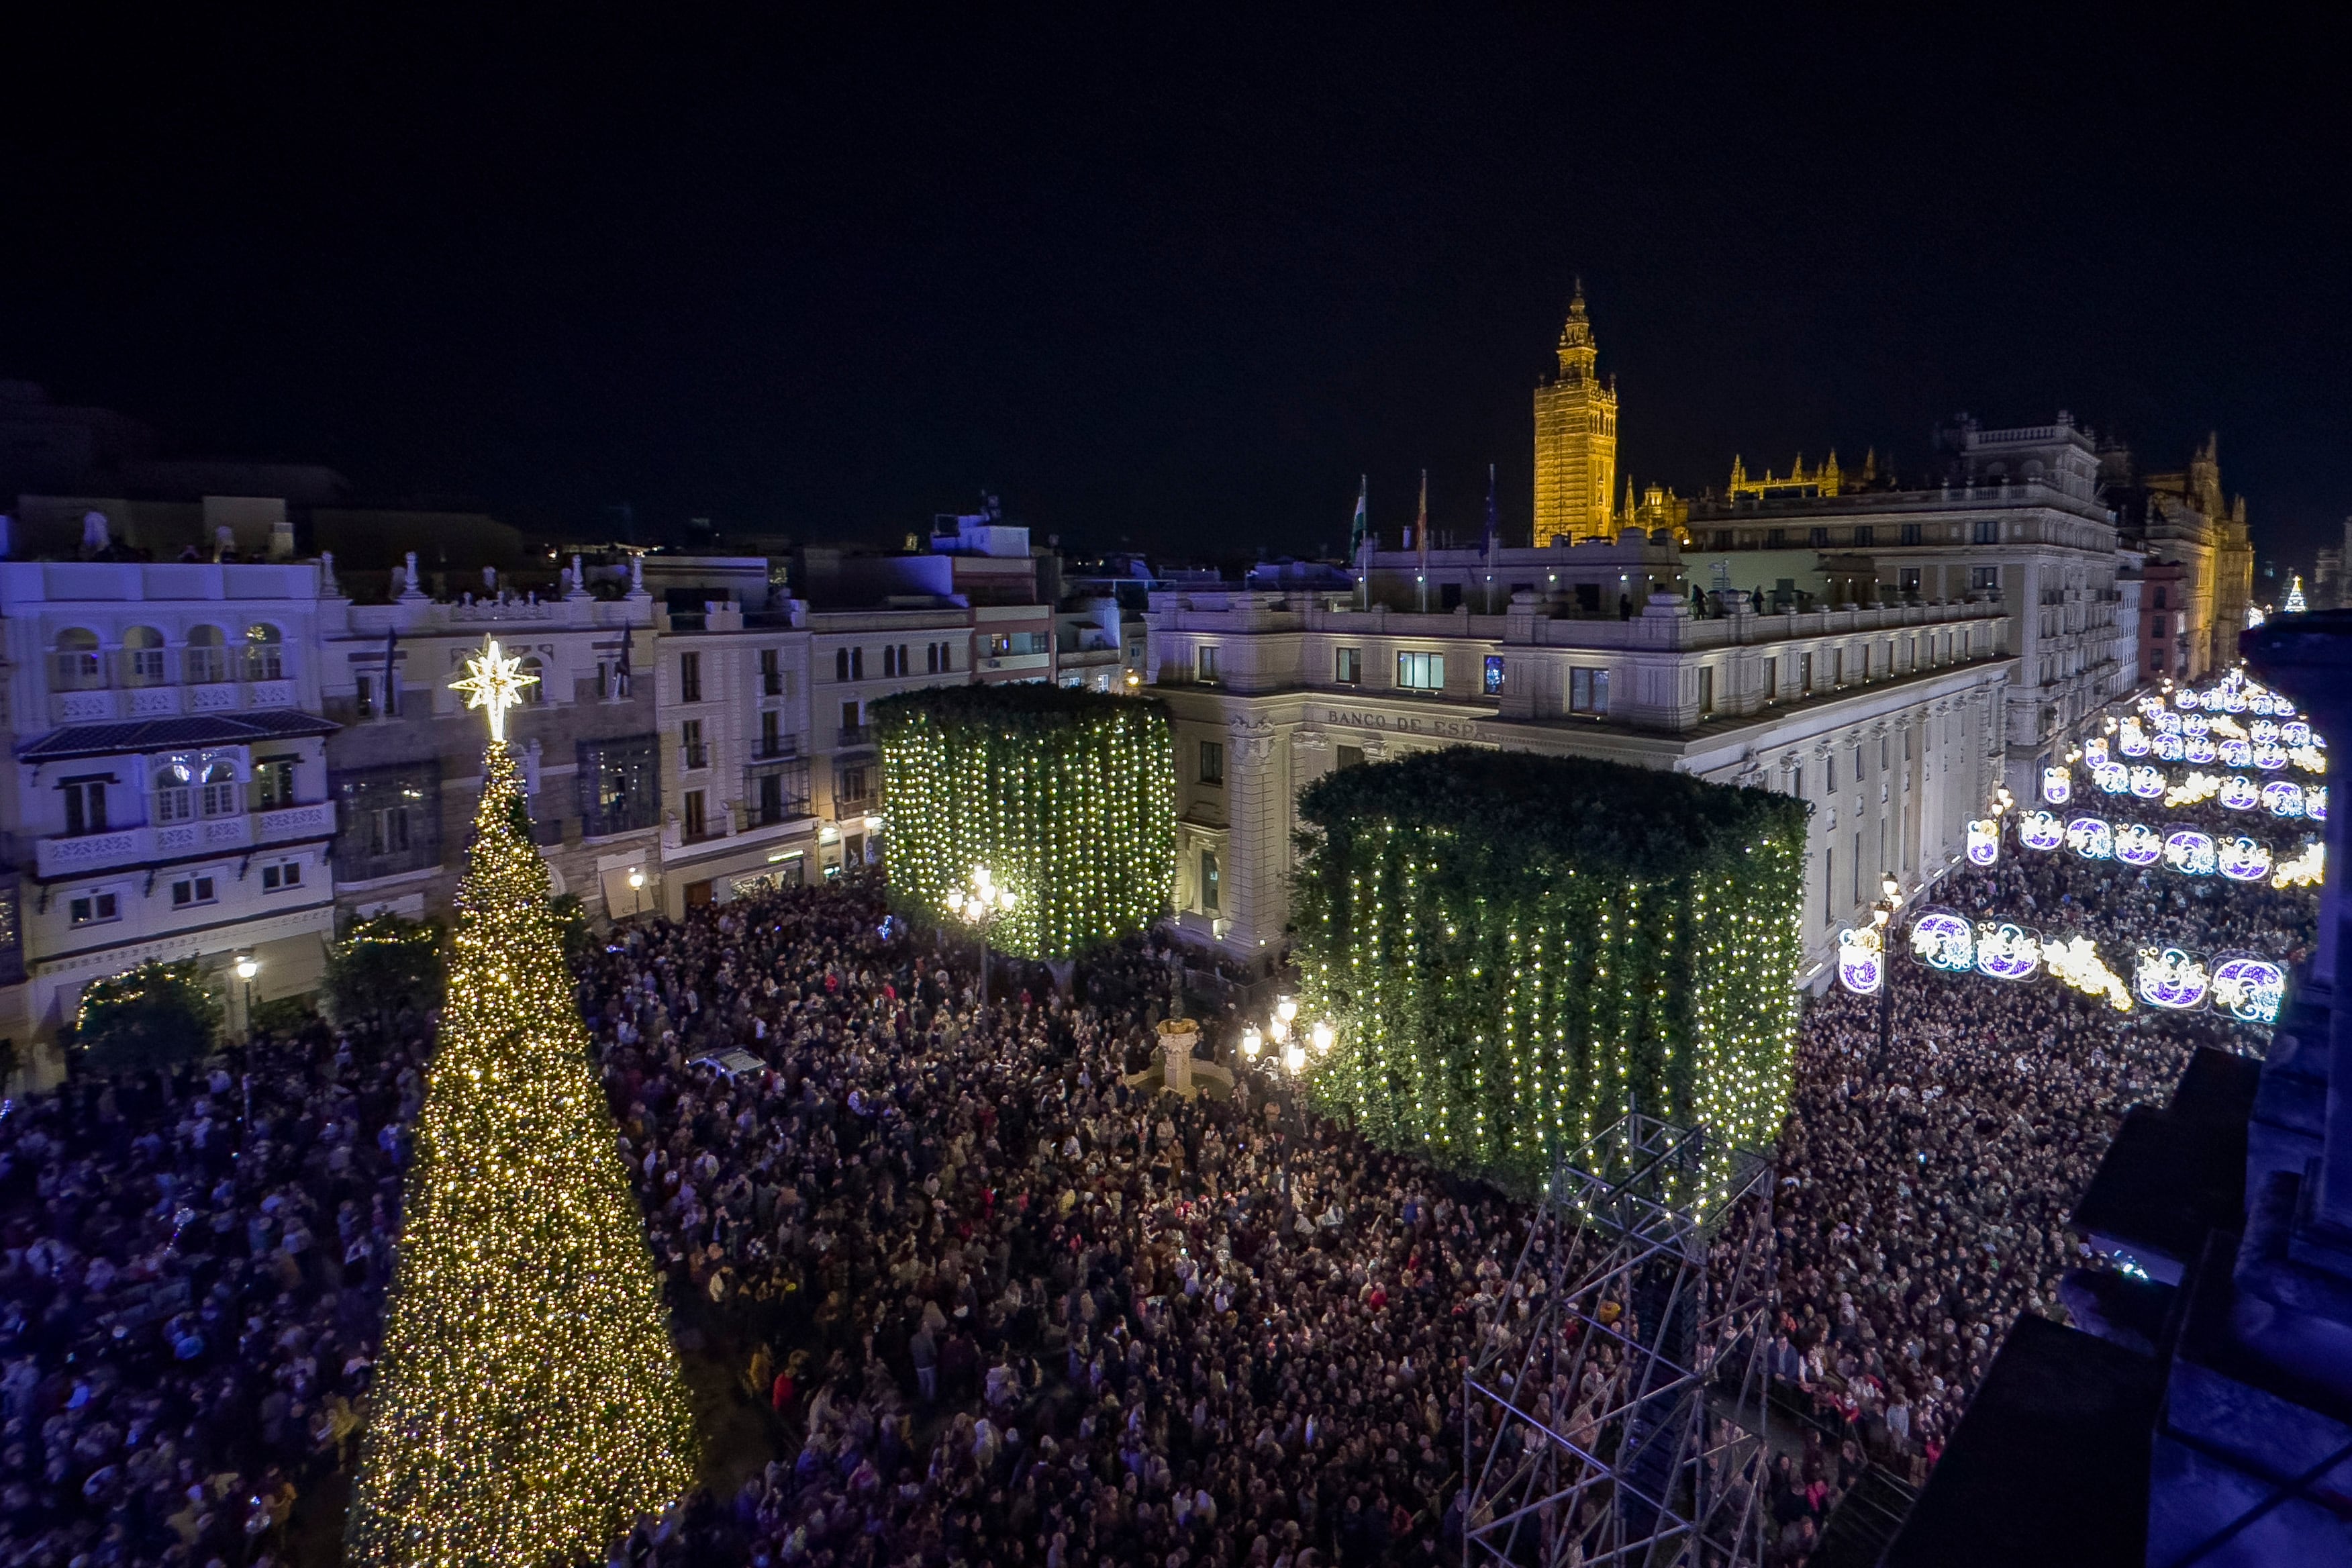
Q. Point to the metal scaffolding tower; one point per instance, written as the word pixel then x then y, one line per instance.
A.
pixel 1621 1419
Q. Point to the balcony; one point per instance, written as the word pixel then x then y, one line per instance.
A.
pixel 693 757
pixel 64 857
pixel 856 736
pixel 105 704
pixel 775 748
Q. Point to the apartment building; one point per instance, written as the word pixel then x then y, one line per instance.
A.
pixel 170 798
pixel 2012 518
pixel 1889 718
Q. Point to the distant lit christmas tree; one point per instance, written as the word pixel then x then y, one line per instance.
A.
pixel 529 1403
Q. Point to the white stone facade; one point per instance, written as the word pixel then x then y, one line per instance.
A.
pixel 1888 719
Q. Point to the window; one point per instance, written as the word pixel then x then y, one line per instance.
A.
pixel 190 891
pixel 218 794
pixel 691 752
pixel 2159 598
pixel 1705 690
pixel 206 656
pixel 689 678
pixel 2156 661
pixel 390 820
pixel 1211 893
pixel 1829 768
pixel 852 733
pixel 1866 663
pixel 771 739
pixel 1771 679
pixel 1829 886
pixel 94 909
pixel 1986 530
pixel 1206 664
pixel 1910 533
pixel 1421 672
pixel 265 653
pixel 273 783
pixel 1212 763
pixel 620 784
pixel 85 806
pixel 1817 537
pixel 1588 691
pixel 771 672
pixel 894 661
pixel 854 788
pixel 176 794
pixel 849 664
pixel 697 824
pixel 1776 537
pixel 1449 595
pixel 782 791
pixel 1347 665
pixel 281 876
pixel 1864 535
pixel 364 698
pixel 1797 780
pixel 2156 626
pixel 1492 682
pixel 534 671
pixel 1984 579
pixel 1856 867
pixel 932 658
pixel 1906 578
pixel 1805 674
pixel 76 666
pixel 1348 756
pixel 142 656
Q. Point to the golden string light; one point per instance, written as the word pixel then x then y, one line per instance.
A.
pixel 529 1403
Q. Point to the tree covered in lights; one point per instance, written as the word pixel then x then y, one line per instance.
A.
pixel 1067 799
pixel 528 1401
pixel 1519 948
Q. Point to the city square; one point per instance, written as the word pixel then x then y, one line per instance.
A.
pixel 1306 998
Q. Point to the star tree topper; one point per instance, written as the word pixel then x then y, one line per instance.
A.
pixel 493 681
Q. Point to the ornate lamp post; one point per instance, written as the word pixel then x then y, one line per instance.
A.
pixel 1882 923
pixel 980 905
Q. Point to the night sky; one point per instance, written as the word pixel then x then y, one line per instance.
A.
pixel 1177 285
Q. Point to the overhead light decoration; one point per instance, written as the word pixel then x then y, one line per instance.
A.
pixel 2191 853
pixel 2147 783
pixel 2248 988
pixel 2039 830
pixel 2305 869
pixel 1943 940
pixel 2007 951
pixel 1505 979
pixel 2281 798
pixel 2170 979
pixel 2057 784
pixel 2076 962
pixel 2242 859
pixel 1068 794
pixel 1984 841
pixel 2091 837
pixel 1862 960
pixel 2196 787
pixel 2295 605
pixel 2137 844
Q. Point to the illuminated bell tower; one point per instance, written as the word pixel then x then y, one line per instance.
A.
pixel 1576 440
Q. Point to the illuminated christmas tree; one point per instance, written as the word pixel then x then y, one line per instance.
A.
pixel 529 1403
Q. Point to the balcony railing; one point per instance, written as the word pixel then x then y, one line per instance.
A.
pixel 690 757
pixel 775 748
pixel 170 840
pixel 857 734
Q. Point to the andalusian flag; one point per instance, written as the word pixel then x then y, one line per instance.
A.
pixel 1356 529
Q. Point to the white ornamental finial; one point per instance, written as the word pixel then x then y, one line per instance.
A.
pixel 493 681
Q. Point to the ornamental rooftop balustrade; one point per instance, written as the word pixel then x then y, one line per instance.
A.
pixel 1543 661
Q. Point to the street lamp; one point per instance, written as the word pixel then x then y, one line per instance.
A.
pixel 980 905
pixel 247 966
pixel 1882 923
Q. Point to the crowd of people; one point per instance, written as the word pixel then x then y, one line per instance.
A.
pixel 192 1271
pixel 994 1298
pixel 1011 1307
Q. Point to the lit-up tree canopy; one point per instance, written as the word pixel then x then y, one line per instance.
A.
pixel 1067 799
pixel 529 1403
pixel 1517 948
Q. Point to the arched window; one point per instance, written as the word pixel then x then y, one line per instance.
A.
pixel 142 656
pixel 78 666
pixel 536 691
pixel 265 653
pixel 207 656
pixel 175 796
pixel 220 790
